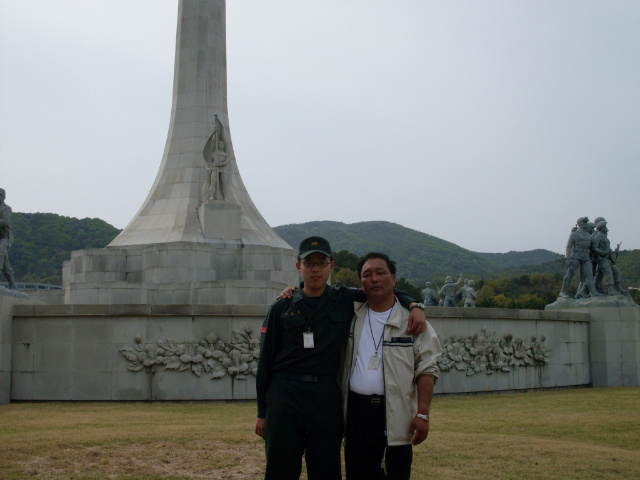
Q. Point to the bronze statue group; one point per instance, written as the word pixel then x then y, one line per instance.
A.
pixel 589 254
pixel 465 296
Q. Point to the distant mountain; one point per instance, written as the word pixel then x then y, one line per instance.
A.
pixel 518 259
pixel 44 240
pixel 420 256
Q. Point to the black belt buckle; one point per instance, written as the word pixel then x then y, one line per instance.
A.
pixel 376 401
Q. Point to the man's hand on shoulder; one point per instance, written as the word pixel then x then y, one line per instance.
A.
pixel 287 292
pixel 417 321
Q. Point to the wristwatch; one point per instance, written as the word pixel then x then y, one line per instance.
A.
pixel 423 416
pixel 418 305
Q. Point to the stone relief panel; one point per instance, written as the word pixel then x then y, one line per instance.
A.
pixel 211 356
pixel 484 352
pixel 477 353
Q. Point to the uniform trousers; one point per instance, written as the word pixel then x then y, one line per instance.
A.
pixel 366 443
pixel 303 418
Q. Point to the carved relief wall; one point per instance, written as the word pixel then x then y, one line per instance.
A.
pixel 209 352
pixel 214 357
pixel 484 352
pixel 211 356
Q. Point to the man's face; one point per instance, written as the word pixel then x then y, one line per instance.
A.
pixel 315 270
pixel 377 280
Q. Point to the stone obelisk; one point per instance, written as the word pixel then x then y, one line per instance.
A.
pixel 194 197
pixel 198 237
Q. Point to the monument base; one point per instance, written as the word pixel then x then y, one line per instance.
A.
pixel 563 303
pixel 220 220
pixel 179 273
pixel 614 337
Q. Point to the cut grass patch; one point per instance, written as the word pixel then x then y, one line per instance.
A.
pixel 568 434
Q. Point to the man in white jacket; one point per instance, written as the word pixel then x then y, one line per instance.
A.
pixel 388 379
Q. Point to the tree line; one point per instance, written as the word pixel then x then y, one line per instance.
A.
pixel 43 241
pixel 529 291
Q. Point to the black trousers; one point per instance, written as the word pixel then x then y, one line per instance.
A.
pixel 366 443
pixel 303 418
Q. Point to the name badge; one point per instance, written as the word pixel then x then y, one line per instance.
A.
pixel 374 362
pixel 307 339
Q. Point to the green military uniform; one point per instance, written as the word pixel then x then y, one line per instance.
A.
pixel 297 387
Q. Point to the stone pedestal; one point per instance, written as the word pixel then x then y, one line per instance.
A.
pixel 614 337
pixel 8 299
pixel 179 273
pixel 615 346
pixel 220 219
pixel 6 339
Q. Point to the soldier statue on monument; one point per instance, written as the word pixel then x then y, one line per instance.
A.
pixel 429 295
pixel 217 161
pixel 6 240
pixel 448 292
pixel 607 268
pixel 578 258
pixel 471 295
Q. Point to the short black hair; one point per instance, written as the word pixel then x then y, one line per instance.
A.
pixel 368 256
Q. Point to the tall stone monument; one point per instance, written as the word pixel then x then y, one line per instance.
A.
pixel 198 237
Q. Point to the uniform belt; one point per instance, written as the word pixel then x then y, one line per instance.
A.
pixel 370 399
pixel 305 378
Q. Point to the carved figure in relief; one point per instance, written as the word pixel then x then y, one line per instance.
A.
pixel 6 240
pixel 448 292
pixel 217 160
pixel 429 295
pixel 577 258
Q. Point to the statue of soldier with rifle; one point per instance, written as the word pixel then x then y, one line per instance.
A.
pixel 6 240
pixel 577 258
pixel 606 259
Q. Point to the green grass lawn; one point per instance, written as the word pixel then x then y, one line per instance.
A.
pixel 567 434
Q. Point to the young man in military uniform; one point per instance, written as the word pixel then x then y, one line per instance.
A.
pixel 299 398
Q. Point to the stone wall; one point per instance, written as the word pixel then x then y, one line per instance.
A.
pixel 494 349
pixel 9 299
pixel 134 352
pixel 206 352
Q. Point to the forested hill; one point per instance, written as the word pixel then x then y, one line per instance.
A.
pixel 42 241
pixel 419 256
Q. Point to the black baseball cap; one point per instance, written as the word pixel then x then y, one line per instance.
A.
pixel 314 244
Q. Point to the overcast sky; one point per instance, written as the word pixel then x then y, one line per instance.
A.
pixel 490 124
